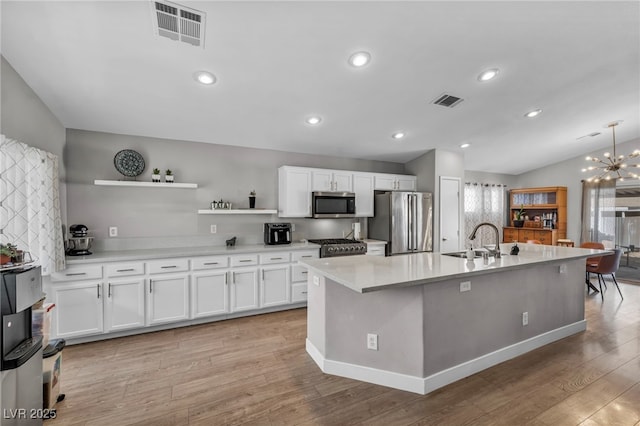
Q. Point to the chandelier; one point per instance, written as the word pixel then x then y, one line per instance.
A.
pixel 613 167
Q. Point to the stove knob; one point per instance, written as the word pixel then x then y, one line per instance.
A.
pixel 330 249
pixel 352 248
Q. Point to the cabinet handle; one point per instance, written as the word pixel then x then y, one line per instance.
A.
pixel 263 275
pixel 168 267
pixel 303 292
pixel 307 255
pixel 304 272
pixel 226 281
pixel 125 270
pixel 98 288
pixel 150 286
pixel 109 292
pixel 233 277
pixel 211 263
pixel 75 274
pixel 276 258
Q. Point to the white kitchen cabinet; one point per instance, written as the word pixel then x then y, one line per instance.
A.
pixel 244 289
pixel 298 292
pixel 124 303
pixel 331 180
pixel 79 309
pixel 168 298
pixel 299 275
pixel 391 182
pixel 375 249
pixel 209 293
pixel 275 288
pixel 294 192
pixel 363 187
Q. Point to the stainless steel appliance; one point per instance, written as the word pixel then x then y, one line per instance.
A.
pixel 404 220
pixel 277 233
pixel 340 247
pixel 21 352
pixel 333 205
pixel 80 242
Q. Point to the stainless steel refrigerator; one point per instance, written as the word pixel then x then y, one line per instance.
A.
pixel 404 220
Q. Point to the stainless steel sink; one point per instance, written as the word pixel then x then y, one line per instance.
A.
pixel 463 254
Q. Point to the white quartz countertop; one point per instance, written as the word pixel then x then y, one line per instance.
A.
pixel 163 253
pixel 370 273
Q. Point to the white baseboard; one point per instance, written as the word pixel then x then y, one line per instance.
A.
pixel 424 385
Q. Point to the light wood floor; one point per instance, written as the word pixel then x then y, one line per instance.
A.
pixel 255 371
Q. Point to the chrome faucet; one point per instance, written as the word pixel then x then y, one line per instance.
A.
pixel 496 251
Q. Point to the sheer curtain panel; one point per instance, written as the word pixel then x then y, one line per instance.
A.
pixel 483 203
pixel 30 204
pixel 598 211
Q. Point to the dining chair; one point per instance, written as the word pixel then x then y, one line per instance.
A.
pixel 592 261
pixel 608 265
pixel 533 242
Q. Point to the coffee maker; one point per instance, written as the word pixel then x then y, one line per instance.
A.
pixel 80 242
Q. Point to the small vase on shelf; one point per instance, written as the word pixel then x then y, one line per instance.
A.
pixel 252 199
pixel 168 177
pixel 155 176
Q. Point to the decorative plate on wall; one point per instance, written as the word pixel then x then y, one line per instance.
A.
pixel 129 162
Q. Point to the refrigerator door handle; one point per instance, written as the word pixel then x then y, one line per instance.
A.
pixel 409 223
pixel 414 222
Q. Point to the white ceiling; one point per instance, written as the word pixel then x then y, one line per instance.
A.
pixel 99 66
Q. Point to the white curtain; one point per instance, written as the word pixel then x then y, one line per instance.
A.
pixel 483 203
pixel 30 204
pixel 599 212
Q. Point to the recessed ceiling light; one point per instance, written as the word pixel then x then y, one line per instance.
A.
pixel 398 135
pixel 313 120
pixel 488 74
pixel 465 145
pixel 205 77
pixel 533 113
pixel 360 59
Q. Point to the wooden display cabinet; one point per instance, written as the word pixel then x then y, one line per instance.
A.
pixel 546 201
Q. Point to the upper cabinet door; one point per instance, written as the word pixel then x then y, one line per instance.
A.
pixel 363 188
pixel 294 192
pixel 322 180
pixel 343 181
pixel 385 182
pixel 406 183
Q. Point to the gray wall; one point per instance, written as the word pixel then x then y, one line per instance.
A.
pixel 496 178
pixel 25 118
pixel 429 168
pixel 148 217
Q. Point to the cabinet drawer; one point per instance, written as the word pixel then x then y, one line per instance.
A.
pixel 80 272
pixel 509 235
pixel 375 249
pixel 165 266
pixel 299 292
pixel 305 254
pixel 210 262
pixel 280 257
pixel 543 236
pixel 124 269
pixel 298 273
pixel 244 260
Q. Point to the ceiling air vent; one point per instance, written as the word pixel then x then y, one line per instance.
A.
pixel 448 101
pixel 179 23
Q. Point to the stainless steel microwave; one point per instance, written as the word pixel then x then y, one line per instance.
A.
pixel 333 204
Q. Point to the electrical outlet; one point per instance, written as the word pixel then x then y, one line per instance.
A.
pixel 316 280
pixel 293 227
pixel 525 318
pixel 113 231
pixel 214 229
pixel 372 341
pixel 465 286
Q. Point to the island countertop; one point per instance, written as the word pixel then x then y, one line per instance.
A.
pixel 371 273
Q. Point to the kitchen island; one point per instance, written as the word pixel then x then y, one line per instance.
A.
pixel 431 319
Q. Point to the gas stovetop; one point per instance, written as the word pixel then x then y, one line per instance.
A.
pixel 331 247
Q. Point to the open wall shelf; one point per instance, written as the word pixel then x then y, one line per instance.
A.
pixel 238 211
pixel 145 184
